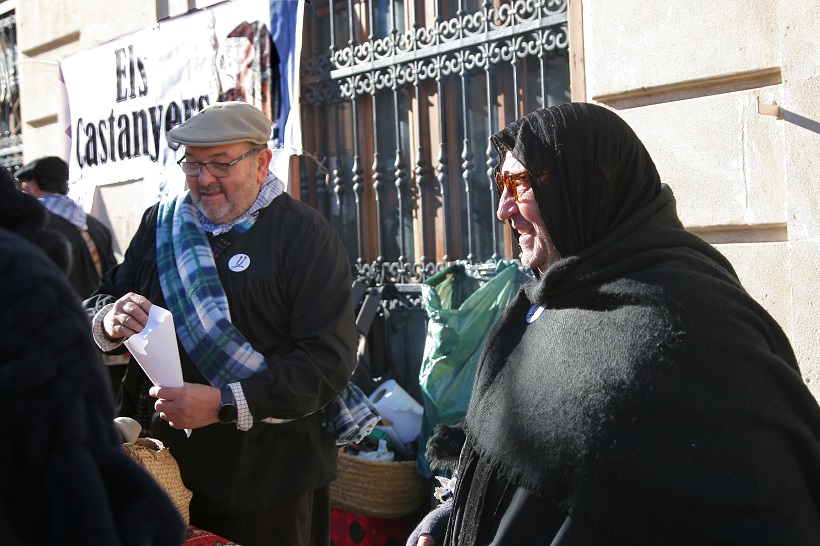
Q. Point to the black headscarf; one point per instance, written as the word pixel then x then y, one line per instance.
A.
pixel 654 399
pixel 578 155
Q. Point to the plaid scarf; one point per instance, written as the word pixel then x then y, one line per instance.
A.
pixel 195 296
pixel 65 207
pixel 351 416
pixel 196 299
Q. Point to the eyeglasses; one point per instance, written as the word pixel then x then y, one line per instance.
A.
pixel 515 183
pixel 216 168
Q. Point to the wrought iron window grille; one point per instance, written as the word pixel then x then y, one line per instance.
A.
pixel 403 202
pixel 11 139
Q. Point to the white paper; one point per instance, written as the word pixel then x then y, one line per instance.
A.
pixel 155 349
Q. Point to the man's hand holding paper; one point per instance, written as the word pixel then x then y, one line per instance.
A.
pixel 128 316
pixel 154 347
pixel 191 406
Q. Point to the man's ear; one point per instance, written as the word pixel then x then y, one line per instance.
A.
pixel 37 191
pixel 263 160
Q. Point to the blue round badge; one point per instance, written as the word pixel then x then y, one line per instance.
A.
pixel 534 313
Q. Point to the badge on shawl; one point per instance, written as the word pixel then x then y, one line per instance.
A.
pixel 240 262
pixel 534 313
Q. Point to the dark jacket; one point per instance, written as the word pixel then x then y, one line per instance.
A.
pixel 293 305
pixel 82 275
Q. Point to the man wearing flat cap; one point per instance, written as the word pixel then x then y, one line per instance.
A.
pixel 259 287
pixel 92 247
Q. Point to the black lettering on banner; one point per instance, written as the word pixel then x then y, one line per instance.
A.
pixel 111 136
pixel 124 140
pixel 140 119
pixel 121 137
pixel 121 76
pixel 143 90
pixel 131 135
pixel 173 116
pixel 155 113
pixel 189 107
pixel 91 144
pixel 103 143
pixel 80 157
pixel 127 67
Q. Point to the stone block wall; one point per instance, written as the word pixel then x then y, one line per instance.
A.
pixel 698 81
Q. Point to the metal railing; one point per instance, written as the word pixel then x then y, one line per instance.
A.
pixel 384 87
pixel 11 140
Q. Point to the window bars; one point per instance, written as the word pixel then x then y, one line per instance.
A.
pixel 11 140
pixel 386 82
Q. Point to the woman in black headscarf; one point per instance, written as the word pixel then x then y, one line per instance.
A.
pixel 634 394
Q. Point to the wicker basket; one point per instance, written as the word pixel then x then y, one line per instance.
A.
pixel 377 489
pixel 155 458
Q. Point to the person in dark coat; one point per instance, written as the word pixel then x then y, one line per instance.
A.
pixel 26 216
pixel 258 284
pixel 635 393
pixel 91 242
pixel 65 478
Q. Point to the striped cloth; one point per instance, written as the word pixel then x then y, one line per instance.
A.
pixel 68 209
pixel 65 207
pixel 92 250
pixel 351 416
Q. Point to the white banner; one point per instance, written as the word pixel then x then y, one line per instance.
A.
pixel 123 96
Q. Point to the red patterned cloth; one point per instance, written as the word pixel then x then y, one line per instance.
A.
pixel 351 529
pixel 198 537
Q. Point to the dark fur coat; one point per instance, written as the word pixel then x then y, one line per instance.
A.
pixel 64 478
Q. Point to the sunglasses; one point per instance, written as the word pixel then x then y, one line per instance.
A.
pixel 515 183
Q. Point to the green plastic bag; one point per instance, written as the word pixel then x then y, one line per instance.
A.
pixel 460 310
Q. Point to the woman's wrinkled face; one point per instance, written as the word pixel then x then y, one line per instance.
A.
pixel 537 250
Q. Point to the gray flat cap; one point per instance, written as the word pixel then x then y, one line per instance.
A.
pixel 223 123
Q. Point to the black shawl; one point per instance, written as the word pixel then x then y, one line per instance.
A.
pixel 653 400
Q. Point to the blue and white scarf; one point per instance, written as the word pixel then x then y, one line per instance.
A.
pixel 197 300
pixel 66 208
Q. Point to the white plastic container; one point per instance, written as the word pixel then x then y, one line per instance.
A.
pixel 399 408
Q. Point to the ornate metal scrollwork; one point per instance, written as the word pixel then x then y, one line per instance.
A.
pixel 468 42
pixel 11 143
pixel 392 273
